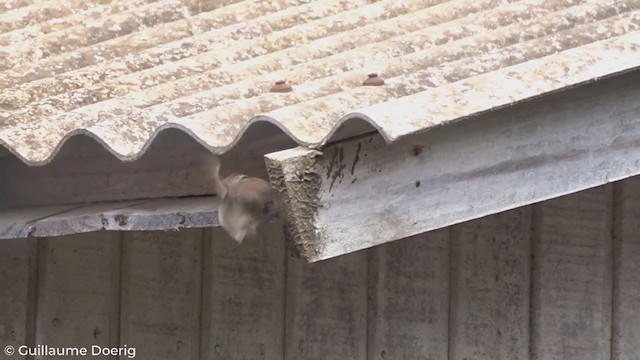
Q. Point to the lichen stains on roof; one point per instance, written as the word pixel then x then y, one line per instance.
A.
pixel 121 71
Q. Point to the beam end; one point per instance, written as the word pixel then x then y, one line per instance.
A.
pixel 296 183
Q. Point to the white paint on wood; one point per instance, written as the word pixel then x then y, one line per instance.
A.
pixel 243 296
pixel 80 219
pixel 78 291
pixel 18 271
pixel 365 192
pixel 326 309
pixel 626 292
pixel 165 214
pixel 135 215
pixel 571 292
pixel 409 298
pixel 18 223
pixel 490 283
pixel 161 297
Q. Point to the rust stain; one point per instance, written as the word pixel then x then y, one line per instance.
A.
pixel 338 173
pixel 356 159
pixel 334 157
pixel 373 80
pixel 281 86
pixel 417 150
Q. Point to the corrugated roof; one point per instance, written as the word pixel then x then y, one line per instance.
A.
pixel 123 70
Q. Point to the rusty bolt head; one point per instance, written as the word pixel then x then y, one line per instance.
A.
pixel 281 86
pixel 373 80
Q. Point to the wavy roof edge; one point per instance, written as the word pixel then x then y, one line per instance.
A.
pixel 419 112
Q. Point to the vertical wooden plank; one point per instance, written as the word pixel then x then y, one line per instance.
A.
pixel 571 292
pixel 78 281
pixel 161 296
pixel 326 307
pixel 409 298
pixel 626 292
pixel 243 296
pixel 490 286
pixel 18 268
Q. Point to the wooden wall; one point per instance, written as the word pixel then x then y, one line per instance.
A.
pixel 557 280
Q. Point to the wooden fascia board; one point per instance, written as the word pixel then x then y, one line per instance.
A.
pixel 364 192
pixel 137 215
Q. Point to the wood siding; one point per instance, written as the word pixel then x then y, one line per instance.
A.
pixel 557 280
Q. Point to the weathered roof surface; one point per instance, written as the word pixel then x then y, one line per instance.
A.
pixel 123 70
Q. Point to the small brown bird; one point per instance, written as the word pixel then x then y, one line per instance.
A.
pixel 245 203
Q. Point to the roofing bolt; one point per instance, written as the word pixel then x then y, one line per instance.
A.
pixel 281 86
pixel 373 80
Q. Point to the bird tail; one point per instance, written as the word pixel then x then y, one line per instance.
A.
pixel 219 187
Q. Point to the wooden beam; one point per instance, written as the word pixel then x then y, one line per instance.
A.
pixel 141 215
pixel 363 192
